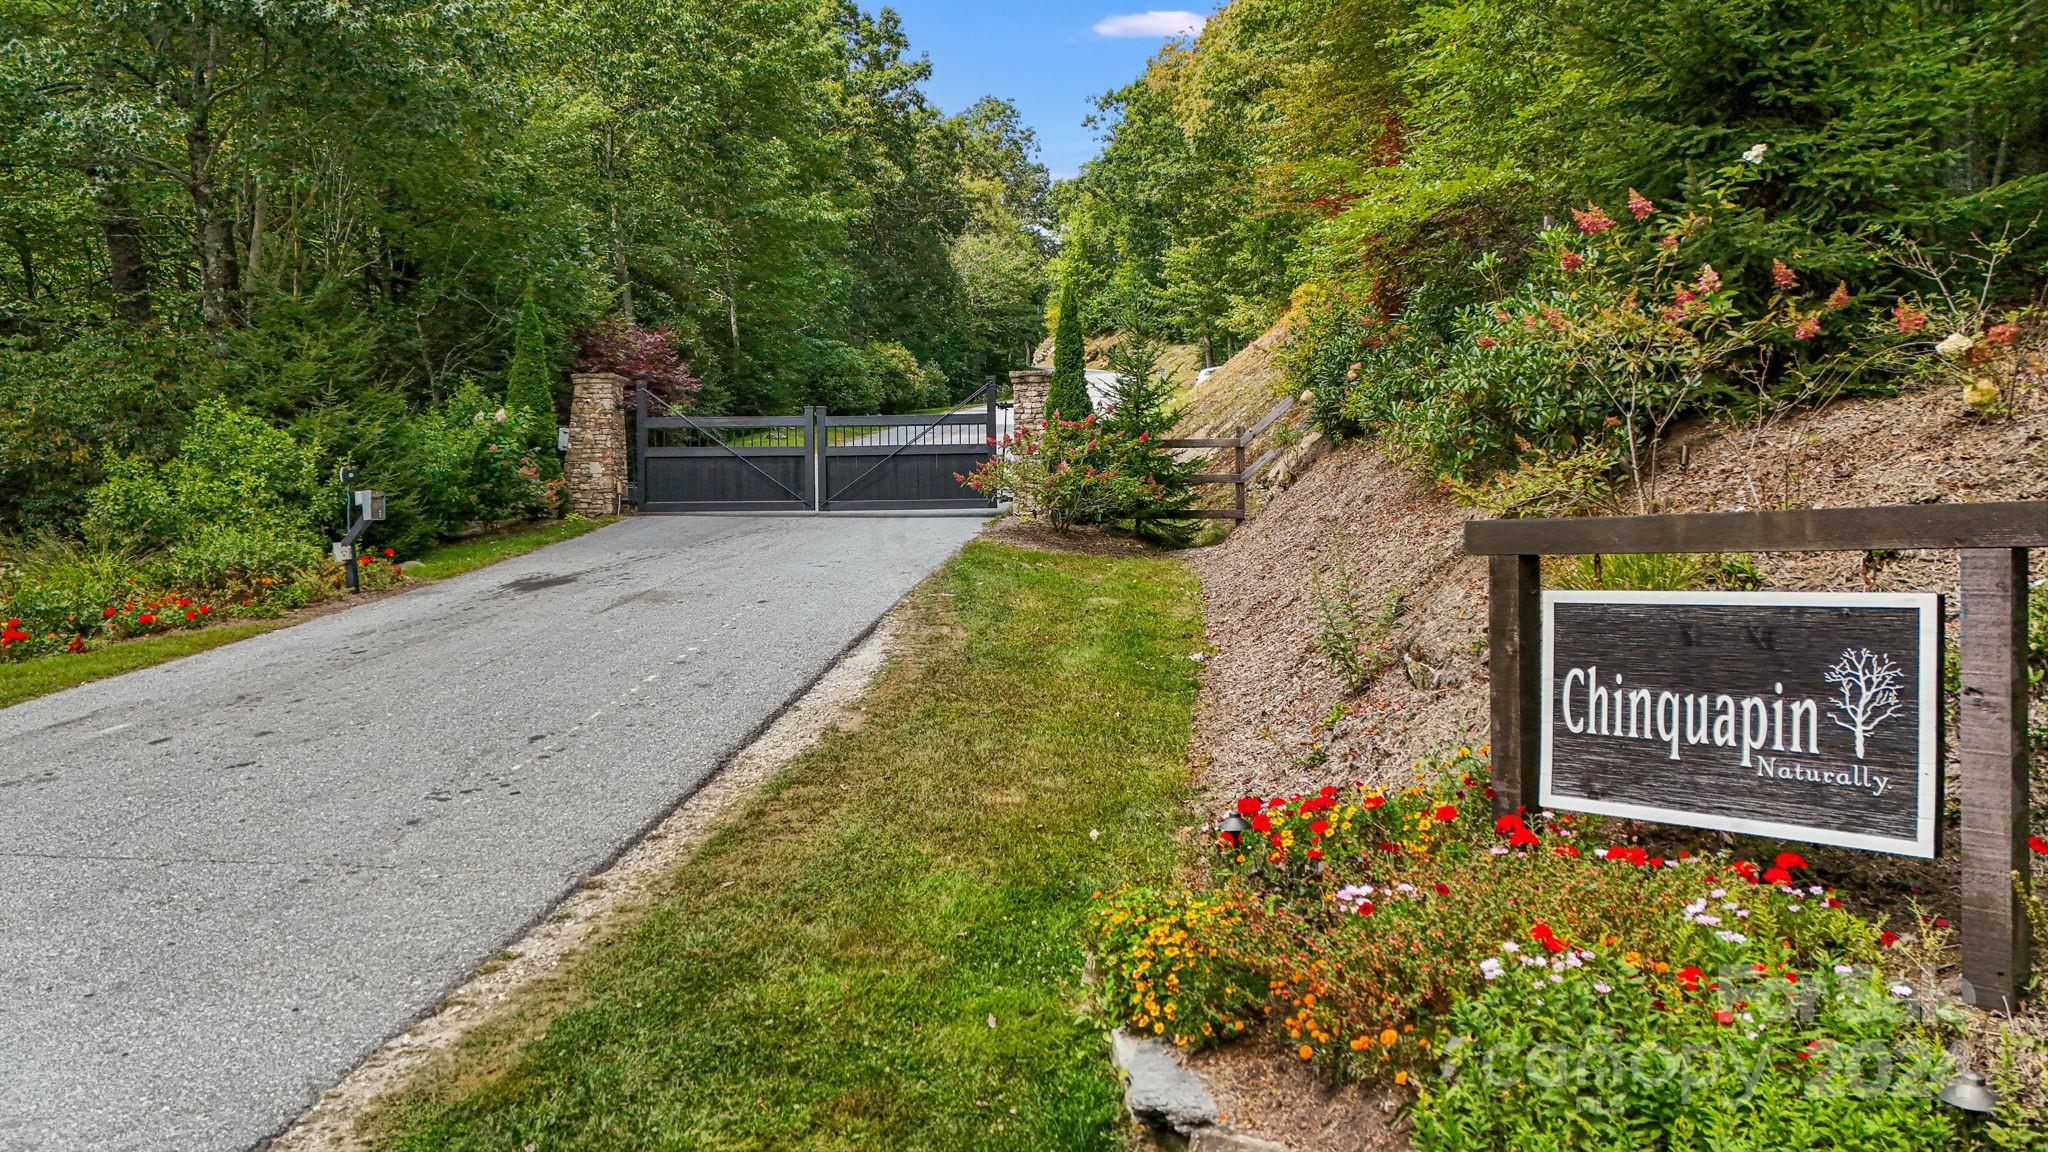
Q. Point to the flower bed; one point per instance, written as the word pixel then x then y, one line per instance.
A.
pixel 1539 981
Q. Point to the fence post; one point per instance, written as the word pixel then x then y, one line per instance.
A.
pixel 1237 466
pixel 1514 620
pixel 1991 726
pixel 994 434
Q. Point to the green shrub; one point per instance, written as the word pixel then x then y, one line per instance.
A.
pixel 1597 1056
pixel 1076 472
pixel 231 468
pixel 463 462
pixel 1353 627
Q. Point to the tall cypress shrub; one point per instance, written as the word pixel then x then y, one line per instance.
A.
pixel 529 387
pixel 1068 395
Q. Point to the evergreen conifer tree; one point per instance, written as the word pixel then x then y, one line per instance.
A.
pixel 529 388
pixel 1068 395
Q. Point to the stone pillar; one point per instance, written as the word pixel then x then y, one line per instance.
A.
pixel 596 465
pixel 1028 388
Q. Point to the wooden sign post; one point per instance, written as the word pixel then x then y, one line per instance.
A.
pixel 1765 672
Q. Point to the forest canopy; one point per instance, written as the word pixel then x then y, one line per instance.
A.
pixel 333 215
pixel 1379 149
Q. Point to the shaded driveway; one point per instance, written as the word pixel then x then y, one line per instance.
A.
pixel 225 880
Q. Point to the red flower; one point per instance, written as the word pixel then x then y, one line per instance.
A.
pixel 1566 850
pixel 1320 827
pixel 110 613
pixel 1593 219
pixel 394 552
pixel 1790 860
pixel 145 618
pixel 1745 869
pixel 1507 823
pixel 205 608
pixel 1723 1016
pixel 1445 813
pixel 1249 806
pixel 1365 908
pixel 1262 823
pixel 1888 938
pixel 191 615
pixel 2038 844
pixel 1689 976
pixel 1315 853
pixel 2001 333
pixel 184 603
pixel 1443 889
pixel 1907 318
pixel 1777 876
pixel 1521 837
pixel 1782 276
pixel 12 635
pixel 1374 801
pixel 1486 341
pixel 1639 205
pixel 1327 791
pixel 1570 261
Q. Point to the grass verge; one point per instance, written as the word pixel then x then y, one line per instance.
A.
pixel 467 555
pixel 884 950
pixel 46 674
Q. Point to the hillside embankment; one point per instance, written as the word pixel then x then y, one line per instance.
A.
pixel 1277 716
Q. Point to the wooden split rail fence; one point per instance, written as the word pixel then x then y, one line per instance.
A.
pixel 1239 476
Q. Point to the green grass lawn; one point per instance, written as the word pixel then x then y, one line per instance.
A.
pixel 44 675
pixel 40 677
pixel 465 555
pixel 884 951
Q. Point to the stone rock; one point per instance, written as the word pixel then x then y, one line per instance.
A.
pixel 1158 1089
pixel 1215 1140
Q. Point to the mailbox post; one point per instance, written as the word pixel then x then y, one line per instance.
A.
pixel 361 507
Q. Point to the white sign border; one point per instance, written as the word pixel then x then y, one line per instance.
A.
pixel 1926 826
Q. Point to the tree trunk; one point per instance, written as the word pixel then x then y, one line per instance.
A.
pixel 27 257
pixel 127 265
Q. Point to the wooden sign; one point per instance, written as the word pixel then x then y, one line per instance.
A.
pixel 1797 716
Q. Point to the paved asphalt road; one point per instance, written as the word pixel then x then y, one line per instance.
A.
pixel 225 880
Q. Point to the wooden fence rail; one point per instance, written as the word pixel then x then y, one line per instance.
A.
pixel 1239 476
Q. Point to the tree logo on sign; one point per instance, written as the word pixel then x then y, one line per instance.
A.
pixel 1867 687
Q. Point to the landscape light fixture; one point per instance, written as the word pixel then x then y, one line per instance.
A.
pixel 1234 826
pixel 1969 1093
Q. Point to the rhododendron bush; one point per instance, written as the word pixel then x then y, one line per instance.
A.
pixel 1615 325
pixel 1377 933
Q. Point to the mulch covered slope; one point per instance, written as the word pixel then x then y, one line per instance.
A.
pixel 1268 695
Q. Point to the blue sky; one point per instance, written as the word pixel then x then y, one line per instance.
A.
pixel 1047 57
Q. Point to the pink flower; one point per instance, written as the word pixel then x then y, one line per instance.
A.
pixel 1782 276
pixel 1907 318
pixel 2001 333
pixel 1486 341
pixel 1807 328
pixel 1640 205
pixel 1839 298
pixel 1593 220
pixel 1668 243
pixel 1709 281
pixel 1570 261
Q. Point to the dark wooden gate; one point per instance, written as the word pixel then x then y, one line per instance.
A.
pixel 813 461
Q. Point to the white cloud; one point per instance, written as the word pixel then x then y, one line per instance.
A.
pixel 1138 25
